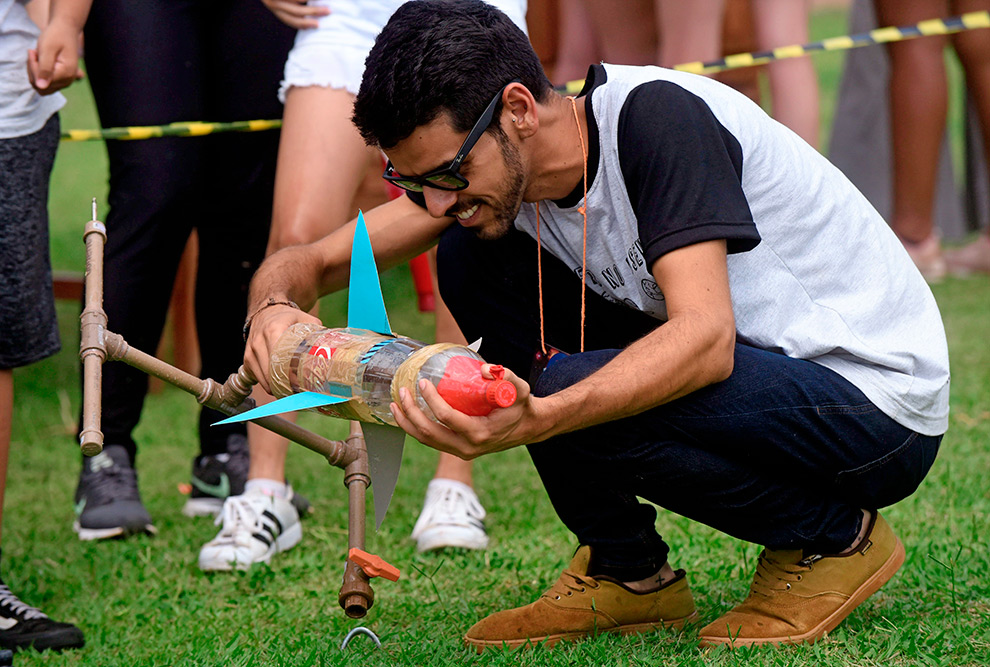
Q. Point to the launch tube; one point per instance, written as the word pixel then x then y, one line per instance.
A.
pixel 368 369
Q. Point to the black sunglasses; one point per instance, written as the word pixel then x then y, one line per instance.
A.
pixel 448 178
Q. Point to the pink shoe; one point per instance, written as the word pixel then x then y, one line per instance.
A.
pixel 971 258
pixel 927 256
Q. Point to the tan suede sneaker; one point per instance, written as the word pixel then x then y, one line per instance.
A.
pixel 579 606
pixel 796 598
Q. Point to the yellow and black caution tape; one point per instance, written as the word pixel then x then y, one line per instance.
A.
pixel 947 26
pixel 878 36
pixel 193 129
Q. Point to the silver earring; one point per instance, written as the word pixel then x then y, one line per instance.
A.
pixel 514 119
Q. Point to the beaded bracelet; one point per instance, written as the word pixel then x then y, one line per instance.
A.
pixel 271 302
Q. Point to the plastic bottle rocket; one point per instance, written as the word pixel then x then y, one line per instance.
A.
pixel 357 371
pixel 366 370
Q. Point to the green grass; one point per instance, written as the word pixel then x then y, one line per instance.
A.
pixel 144 602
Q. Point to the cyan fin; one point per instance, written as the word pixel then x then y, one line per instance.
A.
pixel 301 401
pixel 365 305
pixel 384 445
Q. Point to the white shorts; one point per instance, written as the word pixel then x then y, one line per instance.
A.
pixel 333 54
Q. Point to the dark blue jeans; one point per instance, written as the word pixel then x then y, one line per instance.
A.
pixel 784 453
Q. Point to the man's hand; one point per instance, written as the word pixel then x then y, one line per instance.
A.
pixel 55 63
pixel 467 437
pixel 296 13
pixel 267 326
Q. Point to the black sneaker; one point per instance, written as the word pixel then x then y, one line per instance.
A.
pixel 217 476
pixel 214 477
pixel 107 499
pixel 22 626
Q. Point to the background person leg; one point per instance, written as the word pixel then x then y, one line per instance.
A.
pixel 625 30
pixel 452 515
pixel 577 42
pixel 973 49
pixel 27 317
pixel 793 82
pixel 689 31
pixel 321 163
pixel 139 76
pixel 918 92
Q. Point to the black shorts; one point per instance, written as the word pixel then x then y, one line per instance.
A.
pixel 28 328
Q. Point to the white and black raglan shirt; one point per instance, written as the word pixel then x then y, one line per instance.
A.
pixel 814 271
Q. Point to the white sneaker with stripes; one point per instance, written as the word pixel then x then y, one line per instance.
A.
pixel 452 516
pixel 255 526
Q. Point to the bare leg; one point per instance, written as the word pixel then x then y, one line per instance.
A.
pixel 185 342
pixel 321 164
pixel 793 82
pixel 739 36
pixel 578 46
pixel 268 451
pixel 918 109
pixel 625 30
pixel 452 514
pixel 449 466
pixel 973 48
pixel 689 31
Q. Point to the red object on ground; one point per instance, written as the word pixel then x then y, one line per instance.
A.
pixel 464 388
pixel 373 565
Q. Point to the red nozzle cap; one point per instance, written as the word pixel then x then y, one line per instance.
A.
pixel 501 393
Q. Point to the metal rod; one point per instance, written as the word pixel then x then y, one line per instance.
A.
pixel 356 595
pixel 229 398
pixel 92 350
pixel 97 345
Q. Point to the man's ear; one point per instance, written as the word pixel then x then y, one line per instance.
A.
pixel 522 109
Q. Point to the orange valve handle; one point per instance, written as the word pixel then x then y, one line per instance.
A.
pixel 373 565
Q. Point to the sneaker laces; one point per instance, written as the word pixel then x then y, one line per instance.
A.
pixel 450 504
pixel 571 582
pixel 17 607
pixel 113 483
pixel 241 512
pixel 773 576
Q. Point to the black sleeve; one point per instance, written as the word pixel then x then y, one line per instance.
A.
pixel 683 172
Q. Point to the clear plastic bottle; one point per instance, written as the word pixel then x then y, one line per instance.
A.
pixel 369 369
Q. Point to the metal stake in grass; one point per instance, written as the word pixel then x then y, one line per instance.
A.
pixel 360 630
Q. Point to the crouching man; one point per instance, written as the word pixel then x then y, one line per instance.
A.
pixel 743 340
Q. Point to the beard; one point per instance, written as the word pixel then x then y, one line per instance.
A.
pixel 505 206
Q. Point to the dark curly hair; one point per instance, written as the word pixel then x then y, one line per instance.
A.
pixel 442 56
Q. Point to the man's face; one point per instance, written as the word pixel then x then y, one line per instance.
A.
pixel 493 168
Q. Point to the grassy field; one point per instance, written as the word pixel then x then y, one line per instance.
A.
pixel 144 602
